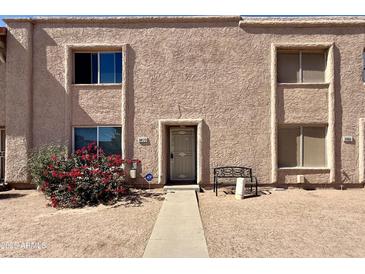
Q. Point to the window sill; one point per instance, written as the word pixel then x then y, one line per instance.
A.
pixel 321 85
pixel 304 168
pixel 97 85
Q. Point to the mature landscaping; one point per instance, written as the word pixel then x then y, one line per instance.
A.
pixel 86 177
pixel 83 208
pixel 119 230
pixel 291 223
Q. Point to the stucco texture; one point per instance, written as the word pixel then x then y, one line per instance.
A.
pixel 215 71
pixel 298 105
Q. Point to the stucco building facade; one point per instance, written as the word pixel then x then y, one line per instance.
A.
pixel 284 96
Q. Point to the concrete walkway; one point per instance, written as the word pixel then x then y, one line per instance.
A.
pixel 178 231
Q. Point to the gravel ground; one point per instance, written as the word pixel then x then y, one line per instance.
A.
pixel 121 230
pixel 291 223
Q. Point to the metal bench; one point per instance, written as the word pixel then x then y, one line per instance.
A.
pixel 231 172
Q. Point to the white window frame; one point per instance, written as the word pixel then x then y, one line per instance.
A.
pixel 91 72
pixel 97 135
pixel 300 53
pixel 301 145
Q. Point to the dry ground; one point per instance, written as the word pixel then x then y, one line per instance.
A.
pixel 121 230
pixel 291 223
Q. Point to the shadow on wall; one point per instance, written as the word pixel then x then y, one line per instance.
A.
pixel 131 58
pixel 338 114
pixel 49 104
pixel 206 178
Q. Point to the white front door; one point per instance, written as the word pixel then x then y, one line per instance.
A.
pixel 182 154
pixel 2 154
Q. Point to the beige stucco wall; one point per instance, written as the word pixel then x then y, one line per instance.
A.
pixel 349 88
pixel 215 71
pixel 18 101
pixel 302 105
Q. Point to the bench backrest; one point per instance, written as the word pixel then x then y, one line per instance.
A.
pixel 232 172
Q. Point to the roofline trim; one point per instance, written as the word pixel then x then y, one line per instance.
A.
pixel 124 19
pixel 301 22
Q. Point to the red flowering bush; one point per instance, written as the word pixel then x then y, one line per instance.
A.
pixel 87 177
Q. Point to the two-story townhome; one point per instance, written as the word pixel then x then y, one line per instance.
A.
pixel 285 96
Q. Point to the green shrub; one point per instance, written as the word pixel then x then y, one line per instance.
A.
pixel 42 158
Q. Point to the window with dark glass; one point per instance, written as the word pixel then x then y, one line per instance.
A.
pixel 107 138
pixel 97 67
pixel 302 146
pixel 301 66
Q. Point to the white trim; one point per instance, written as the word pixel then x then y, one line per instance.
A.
pixel 115 69
pixel 162 147
pixel 361 150
pixel 305 168
pixel 300 67
pixel 301 148
pixel 98 68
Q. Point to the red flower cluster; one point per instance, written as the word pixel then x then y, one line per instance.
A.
pixel 88 177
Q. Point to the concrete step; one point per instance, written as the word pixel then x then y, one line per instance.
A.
pixel 194 187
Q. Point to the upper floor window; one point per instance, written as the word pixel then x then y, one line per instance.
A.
pixel 97 67
pixel 301 66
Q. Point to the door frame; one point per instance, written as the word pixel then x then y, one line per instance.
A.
pixel 163 144
pixel 168 156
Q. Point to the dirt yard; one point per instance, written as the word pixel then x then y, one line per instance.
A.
pixel 29 228
pixel 290 223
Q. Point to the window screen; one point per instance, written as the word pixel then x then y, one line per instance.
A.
pixel 301 66
pixel 289 147
pixel 314 146
pixel 313 67
pixel 302 146
pixel 288 67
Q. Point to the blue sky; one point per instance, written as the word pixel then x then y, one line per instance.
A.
pixel 2 23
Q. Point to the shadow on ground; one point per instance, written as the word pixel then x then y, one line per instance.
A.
pixel 137 197
pixel 5 195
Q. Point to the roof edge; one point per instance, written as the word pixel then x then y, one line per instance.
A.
pixel 124 19
pixel 302 21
